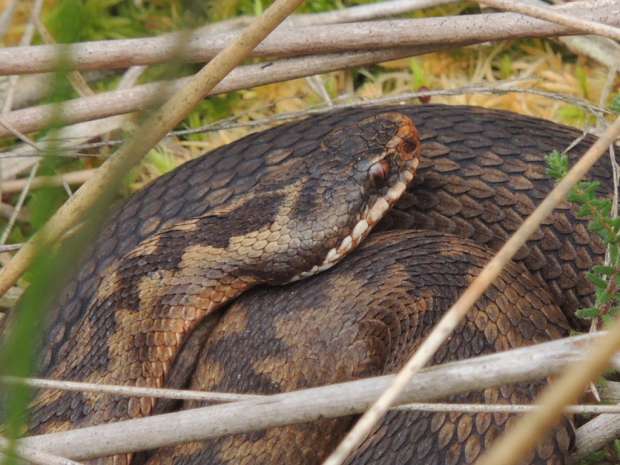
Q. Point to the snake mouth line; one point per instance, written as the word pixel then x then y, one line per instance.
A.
pixel 367 220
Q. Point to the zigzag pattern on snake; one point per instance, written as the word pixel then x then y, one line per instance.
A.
pixel 481 173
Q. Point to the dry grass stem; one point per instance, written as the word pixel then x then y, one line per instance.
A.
pixel 65 138
pixel 7 17
pixel 139 97
pixel 150 133
pixel 127 391
pixel 287 42
pixel 504 408
pixel 523 364
pixel 455 314
pixel 14 163
pixel 346 15
pixel 18 206
pixel 549 14
pixel 72 178
pixel 10 247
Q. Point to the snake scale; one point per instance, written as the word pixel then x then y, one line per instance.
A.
pixel 290 202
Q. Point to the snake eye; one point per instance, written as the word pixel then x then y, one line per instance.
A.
pixel 379 172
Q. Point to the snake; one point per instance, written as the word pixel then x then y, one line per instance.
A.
pixel 249 270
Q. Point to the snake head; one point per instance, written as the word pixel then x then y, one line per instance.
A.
pixel 361 170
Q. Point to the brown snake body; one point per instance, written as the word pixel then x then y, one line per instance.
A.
pixel 161 255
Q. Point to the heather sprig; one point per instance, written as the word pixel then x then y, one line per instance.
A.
pixel 604 223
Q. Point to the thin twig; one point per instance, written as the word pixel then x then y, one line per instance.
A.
pixel 10 247
pixel 26 39
pixel 129 391
pixel 524 364
pixel 124 101
pixel 179 394
pixel 503 408
pixel 367 12
pixel 288 42
pixel 316 84
pixel 499 88
pixel 610 391
pixel 72 178
pixel 7 17
pixel 12 155
pixel 601 49
pixel 18 206
pixel 6 211
pixel 363 12
pixel 551 14
pixel 69 135
pixel 479 285
pixel 130 77
pixel 140 97
pixel 67 188
pixel 66 137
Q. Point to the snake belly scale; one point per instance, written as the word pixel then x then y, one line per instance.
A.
pixel 291 202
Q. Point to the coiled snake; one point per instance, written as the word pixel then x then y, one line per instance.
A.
pixel 287 203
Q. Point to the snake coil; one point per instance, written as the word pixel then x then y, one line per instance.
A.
pixel 290 202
